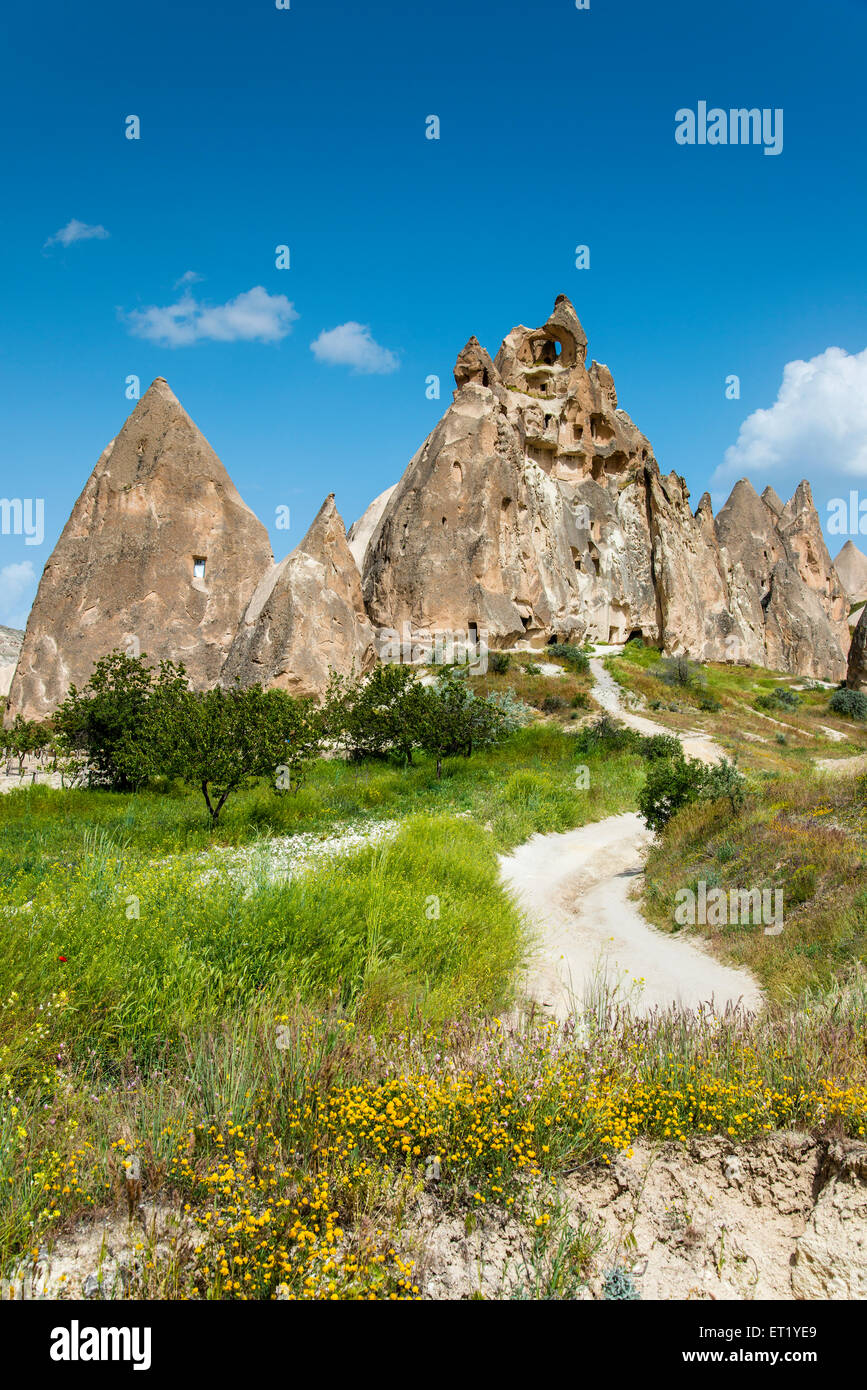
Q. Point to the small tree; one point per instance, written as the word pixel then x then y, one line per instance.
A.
pixel 102 722
pixel 453 720
pixel 723 779
pixel 670 785
pixel 680 671
pixel 223 740
pixel 377 715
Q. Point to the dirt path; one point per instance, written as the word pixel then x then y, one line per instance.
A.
pixel 606 692
pixel 576 889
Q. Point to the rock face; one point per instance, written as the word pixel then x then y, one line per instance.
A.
pixel 536 510
pixel 10 650
pixel 366 528
pixel 851 566
pixel 305 617
pixel 160 555
pixel 856 672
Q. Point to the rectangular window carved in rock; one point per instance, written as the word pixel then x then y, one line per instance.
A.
pixel 198 567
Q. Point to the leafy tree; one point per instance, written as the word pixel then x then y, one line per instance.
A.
pixel 377 715
pixel 221 740
pixel 454 720
pixel 26 736
pixel 676 782
pixel 102 722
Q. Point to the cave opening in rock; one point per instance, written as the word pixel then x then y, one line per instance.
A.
pixel 199 562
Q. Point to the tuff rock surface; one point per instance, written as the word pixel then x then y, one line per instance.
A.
pixel 122 573
pixel 536 510
pixel 10 650
pixel 305 617
pixel 856 671
pixel 851 566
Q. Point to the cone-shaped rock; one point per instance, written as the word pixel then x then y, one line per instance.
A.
pixel 160 556
pixel 851 566
pixel 306 617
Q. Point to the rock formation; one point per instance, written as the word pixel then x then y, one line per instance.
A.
pixel 851 566
pixel 856 672
pixel 10 650
pixel 305 617
pixel 366 528
pixel 160 555
pixel 536 510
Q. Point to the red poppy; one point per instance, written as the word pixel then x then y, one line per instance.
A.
pixel 63 958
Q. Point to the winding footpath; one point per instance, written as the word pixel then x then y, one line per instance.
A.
pixel 577 889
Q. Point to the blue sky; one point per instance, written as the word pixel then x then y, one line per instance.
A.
pixel 306 127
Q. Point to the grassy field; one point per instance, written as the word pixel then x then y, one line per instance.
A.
pixel 805 835
pixel 283 1059
pixel 773 741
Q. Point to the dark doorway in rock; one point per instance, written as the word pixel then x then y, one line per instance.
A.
pixel 473 630
pixel 636 635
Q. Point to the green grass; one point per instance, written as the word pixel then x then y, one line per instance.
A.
pixel 418 928
pixel 745 733
pixel 806 835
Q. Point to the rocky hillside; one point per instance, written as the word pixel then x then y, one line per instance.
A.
pixel 536 509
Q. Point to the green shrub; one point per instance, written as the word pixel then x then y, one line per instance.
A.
pixel 606 734
pixel 516 713
pixel 670 785
pixel 499 662
pixel 802 886
pixel 780 699
pixel 660 746
pixel 573 656
pixel 851 704
pixel 709 704
pixel 552 703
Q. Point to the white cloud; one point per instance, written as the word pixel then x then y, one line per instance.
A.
pixel 351 345
pixel 76 231
pixel 818 421
pixel 189 277
pixel 254 316
pixel 17 591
